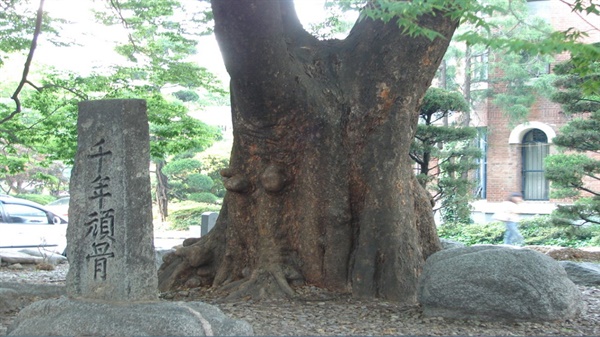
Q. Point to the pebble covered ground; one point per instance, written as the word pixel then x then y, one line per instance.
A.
pixel 323 314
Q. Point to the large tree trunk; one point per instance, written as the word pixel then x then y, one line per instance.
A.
pixel 321 189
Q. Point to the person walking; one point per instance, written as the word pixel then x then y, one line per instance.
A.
pixel 508 215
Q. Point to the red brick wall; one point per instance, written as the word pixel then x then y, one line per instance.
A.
pixel 504 159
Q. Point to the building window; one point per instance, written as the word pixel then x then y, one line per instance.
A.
pixel 479 67
pixel 481 171
pixel 535 149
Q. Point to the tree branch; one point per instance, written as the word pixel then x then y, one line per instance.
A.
pixel 114 4
pixel 581 188
pixel 579 14
pixel 24 80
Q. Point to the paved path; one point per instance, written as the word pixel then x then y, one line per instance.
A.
pixel 168 239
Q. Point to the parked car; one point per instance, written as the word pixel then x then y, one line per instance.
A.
pixel 60 207
pixel 27 224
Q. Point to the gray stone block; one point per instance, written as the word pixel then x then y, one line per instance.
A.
pixel 8 300
pixel 583 273
pixel 497 283
pixel 14 296
pixel 110 231
pixel 449 244
pixel 67 317
pixel 18 257
pixel 208 221
pixel 49 257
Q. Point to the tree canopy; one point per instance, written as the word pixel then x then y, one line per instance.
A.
pixel 43 116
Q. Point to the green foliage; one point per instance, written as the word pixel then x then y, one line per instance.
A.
pixel 539 230
pixel 187 180
pixel 516 49
pixel 572 90
pixel 184 218
pixel 186 95
pixel 517 70
pixel 334 23
pixel 42 199
pixel 182 167
pixel 571 171
pixel 159 42
pixel 407 13
pixel 584 211
pixel 457 195
pixel 11 164
pixel 439 102
pixel 581 134
pixel 450 148
pixel 213 165
pixel 543 231
pixel 471 234
pixel 567 171
pixel 205 197
pixel 200 182
pixel 17 22
pixel 35 174
pixel 213 98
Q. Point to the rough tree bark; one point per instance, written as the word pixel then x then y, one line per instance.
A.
pixel 321 190
pixel 161 190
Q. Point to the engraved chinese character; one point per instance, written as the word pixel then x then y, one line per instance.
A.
pixel 93 224
pixel 100 186
pixel 100 268
pixel 101 255
pixel 107 225
pixel 99 154
pixel 102 223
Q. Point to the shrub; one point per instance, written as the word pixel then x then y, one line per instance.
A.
pixel 182 219
pixel 39 198
pixel 204 197
pixel 471 234
pixel 539 231
pixel 199 182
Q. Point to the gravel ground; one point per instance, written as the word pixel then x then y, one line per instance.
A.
pixel 328 315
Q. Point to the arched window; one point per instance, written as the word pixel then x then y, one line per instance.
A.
pixel 535 149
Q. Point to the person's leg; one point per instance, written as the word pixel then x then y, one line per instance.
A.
pixel 519 238
pixel 512 233
pixel 507 234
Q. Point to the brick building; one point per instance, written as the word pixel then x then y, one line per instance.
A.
pixel 515 153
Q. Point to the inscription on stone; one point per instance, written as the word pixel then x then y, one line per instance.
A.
pixel 101 219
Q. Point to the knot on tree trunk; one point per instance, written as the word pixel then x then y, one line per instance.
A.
pixel 273 178
pixel 237 183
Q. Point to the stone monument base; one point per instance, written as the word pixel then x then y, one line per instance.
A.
pixel 70 317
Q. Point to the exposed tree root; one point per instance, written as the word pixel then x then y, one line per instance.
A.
pixel 264 283
pixel 197 263
pixel 190 265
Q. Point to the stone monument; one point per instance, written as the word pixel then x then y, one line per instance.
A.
pixel 110 235
pixel 208 222
pixel 112 280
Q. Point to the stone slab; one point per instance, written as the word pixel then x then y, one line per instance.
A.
pixel 16 257
pixel 67 317
pixel 14 295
